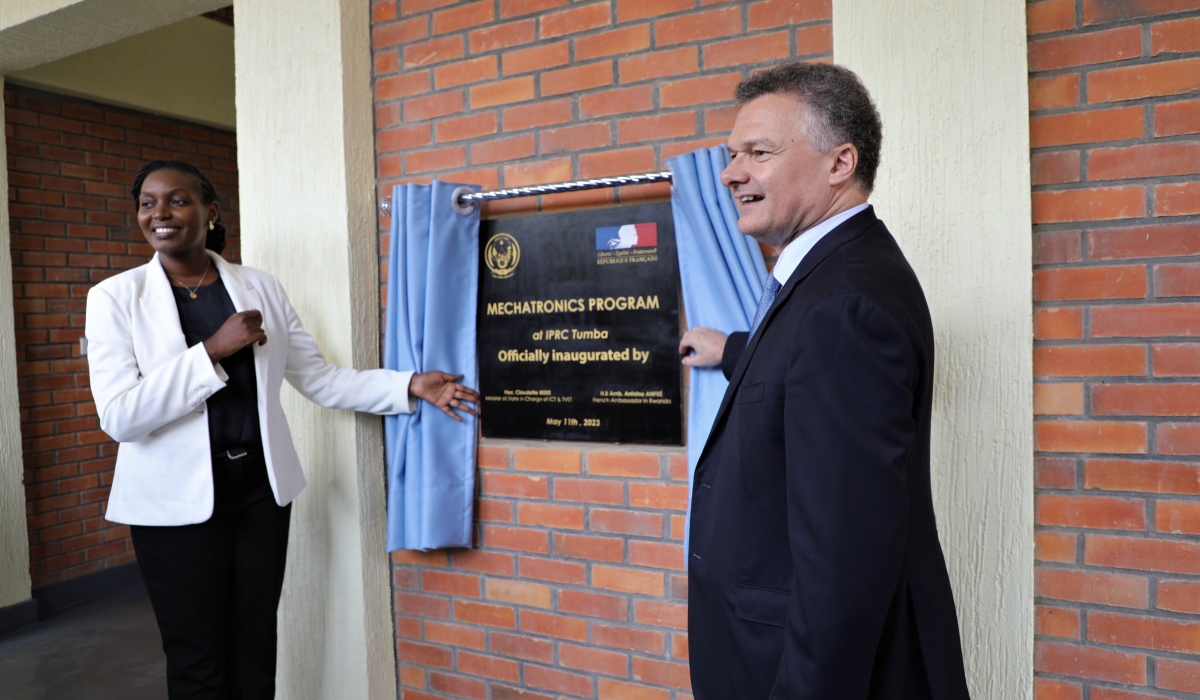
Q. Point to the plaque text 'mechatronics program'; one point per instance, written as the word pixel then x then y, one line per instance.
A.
pixel 579 327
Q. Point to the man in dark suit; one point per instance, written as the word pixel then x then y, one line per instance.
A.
pixel 815 569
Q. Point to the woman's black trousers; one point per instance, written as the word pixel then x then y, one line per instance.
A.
pixel 215 587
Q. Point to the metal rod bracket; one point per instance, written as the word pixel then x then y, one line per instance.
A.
pixel 466 202
pixel 473 198
pixel 458 200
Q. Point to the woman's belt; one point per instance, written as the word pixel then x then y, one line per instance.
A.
pixel 234 454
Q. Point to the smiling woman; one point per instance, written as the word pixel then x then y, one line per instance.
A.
pixel 174 228
pixel 187 356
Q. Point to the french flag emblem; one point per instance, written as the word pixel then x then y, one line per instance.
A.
pixel 627 236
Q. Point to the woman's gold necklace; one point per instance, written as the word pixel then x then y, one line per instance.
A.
pixel 192 290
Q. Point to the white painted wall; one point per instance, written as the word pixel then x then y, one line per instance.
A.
pixel 306 169
pixel 14 540
pixel 950 80
pixel 144 72
pixel 13 12
pixel 33 32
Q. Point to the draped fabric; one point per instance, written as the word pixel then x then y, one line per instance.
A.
pixel 722 273
pixel 432 292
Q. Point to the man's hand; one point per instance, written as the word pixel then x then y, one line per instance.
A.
pixel 444 391
pixel 238 331
pixel 707 344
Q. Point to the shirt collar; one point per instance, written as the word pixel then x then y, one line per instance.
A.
pixel 793 253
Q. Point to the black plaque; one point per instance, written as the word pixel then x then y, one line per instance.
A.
pixel 579 327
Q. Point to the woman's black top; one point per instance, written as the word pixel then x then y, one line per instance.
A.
pixel 233 410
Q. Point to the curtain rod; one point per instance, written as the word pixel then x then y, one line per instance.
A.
pixel 465 200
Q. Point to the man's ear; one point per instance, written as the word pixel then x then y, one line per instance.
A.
pixel 845 163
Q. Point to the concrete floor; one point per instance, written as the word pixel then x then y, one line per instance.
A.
pixel 105 649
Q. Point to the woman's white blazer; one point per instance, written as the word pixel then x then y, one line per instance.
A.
pixel 150 390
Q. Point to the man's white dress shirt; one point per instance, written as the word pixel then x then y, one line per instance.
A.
pixel 793 253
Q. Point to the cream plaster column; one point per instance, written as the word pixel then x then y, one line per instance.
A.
pixel 14 540
pixel 950 79
pixel 306 170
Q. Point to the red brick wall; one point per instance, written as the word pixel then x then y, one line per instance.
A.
pixel 1115 131
pixel 576 589
pixel 70 164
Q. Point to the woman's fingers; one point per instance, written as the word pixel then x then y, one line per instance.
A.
pixel 443 391
pixel 447 401
pixel 239 330
pixel 461 405
pixel 252 329
pixel 450 412
pixel 462 396
pixel 463 393
pixel 254 321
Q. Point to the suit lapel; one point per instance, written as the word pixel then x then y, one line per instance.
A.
pixel 847 231
pixel 158 305
pixel 245 298
pixel 241 291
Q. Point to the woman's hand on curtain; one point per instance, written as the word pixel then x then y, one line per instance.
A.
pixel 702 347
pixel 444 391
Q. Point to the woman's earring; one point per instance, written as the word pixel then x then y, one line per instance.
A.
pixel 211 226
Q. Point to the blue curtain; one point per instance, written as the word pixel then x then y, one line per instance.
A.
pixel 722 273
pixel 432 291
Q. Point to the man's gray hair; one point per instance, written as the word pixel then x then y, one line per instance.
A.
pixel 840 109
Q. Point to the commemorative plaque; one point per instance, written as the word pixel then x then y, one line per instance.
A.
pixel 579 327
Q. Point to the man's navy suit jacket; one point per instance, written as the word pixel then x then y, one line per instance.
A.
pixel 815 569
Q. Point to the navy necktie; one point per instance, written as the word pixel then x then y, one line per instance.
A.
pixel 770 289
